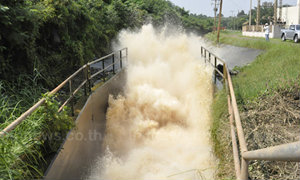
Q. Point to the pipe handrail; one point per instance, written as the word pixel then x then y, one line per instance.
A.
pixel 86 67
pixel 284 152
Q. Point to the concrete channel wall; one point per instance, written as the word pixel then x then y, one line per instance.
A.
pixel 83 144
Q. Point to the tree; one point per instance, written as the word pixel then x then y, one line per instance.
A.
pixel 241 13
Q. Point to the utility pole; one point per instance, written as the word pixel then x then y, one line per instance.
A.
pixel 258 13
pixel 219 23
pixel 275 12
pixel 250 13
pixel 232 17
pixel 215 3
pixel 280 10
pixel 236 20
pixel 298 5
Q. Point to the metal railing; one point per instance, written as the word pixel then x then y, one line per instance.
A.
pixel 119 55
pixel 241 155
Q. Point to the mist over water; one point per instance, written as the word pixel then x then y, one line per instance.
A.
pixel 159 128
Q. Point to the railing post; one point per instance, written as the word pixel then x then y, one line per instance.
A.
pixel 209 57
pixel 121 59
pixel 126 55
pixel 235 150
pixel 88 78
pixel 113 61
pixel 244 170
pixel 215 70
pixel 103 67
pixel 201 51
pixel 71 94
pixel 224 72
pixel 205 55
pixel 87 86
pixel 85 77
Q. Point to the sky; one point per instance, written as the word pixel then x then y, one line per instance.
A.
pixel 230 7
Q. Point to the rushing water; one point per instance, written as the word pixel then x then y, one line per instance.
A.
pixel 159 129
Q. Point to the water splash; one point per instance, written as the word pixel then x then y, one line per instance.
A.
pixel 160 128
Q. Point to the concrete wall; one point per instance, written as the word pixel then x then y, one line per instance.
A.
pixel 290 15
pixel 258 31
pixel 83 144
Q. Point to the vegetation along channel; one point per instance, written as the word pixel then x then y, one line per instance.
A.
pixel 149 89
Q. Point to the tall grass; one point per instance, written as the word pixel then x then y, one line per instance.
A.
pixel 24 151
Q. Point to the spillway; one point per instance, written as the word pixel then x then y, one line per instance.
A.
pixel 151 121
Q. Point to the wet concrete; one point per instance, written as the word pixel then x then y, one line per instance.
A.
pixel 234 56
pixel 83 144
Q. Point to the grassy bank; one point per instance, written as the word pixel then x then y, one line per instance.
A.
pixel 26 151
pixel 275 74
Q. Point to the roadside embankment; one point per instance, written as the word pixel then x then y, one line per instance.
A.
pixel 267 92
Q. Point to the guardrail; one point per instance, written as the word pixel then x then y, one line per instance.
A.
pixel 120 55
pixel 241 155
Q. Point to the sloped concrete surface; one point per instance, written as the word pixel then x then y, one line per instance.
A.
pixel 234 56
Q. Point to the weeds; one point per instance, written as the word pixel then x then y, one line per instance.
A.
pixel 25 151
pixel 273 120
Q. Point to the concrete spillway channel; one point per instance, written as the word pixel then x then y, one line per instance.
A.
pixel 83 144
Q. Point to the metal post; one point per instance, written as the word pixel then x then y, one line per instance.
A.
pixel 215 70
pixel 236 159
pixel 244 170
pixel 201 51
pixel 224 72
pixel 85 77
pixel 205 55
pixel 121 59
pixel 103 73
pixel 113 61
pixel 126 55
pixel 209 57
pixel 71 94
pixel 88 78
pixel 240 132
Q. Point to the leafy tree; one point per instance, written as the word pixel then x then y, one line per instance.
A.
pixel 52 37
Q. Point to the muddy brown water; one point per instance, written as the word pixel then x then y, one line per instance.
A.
pixel 158 120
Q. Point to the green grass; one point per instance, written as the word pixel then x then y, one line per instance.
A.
pixel 276 68
pixel 25 152
pixel 220 134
